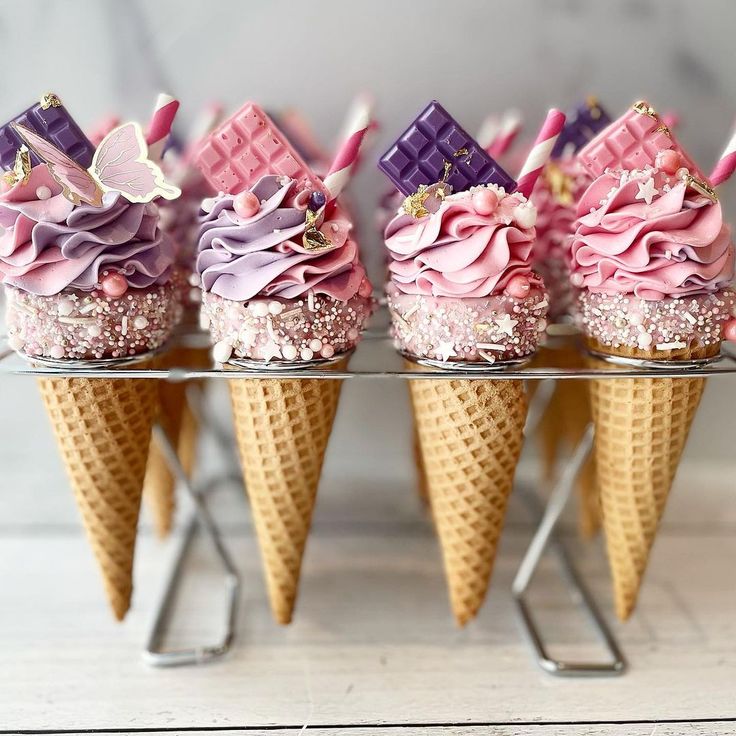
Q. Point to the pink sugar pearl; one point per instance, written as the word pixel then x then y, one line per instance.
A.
pixel 730 330
pixel 518 287
pixel 365 289
pixel 669 161
pixel 246 204
pixel 114 284
pixel 485 201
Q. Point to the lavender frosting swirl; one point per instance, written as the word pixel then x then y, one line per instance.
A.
pixel 240 258
pixel 50 245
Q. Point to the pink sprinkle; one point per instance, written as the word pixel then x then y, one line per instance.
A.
pixel 114 284
pixel 518 286
pixel 485 201
pixel 246 204
pixel 668 161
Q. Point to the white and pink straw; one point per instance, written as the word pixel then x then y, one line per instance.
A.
pixel 726 165
pixel 347 154
pixel 510 128
pixel 160 125
pixel 489 131
pixel 541 151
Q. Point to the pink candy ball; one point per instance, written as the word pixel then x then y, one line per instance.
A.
pixel 669 161
pixel 246 204
pixel 114 284
pixel 365 289
pixel 730 330
pixel 518 287
pixel 485 201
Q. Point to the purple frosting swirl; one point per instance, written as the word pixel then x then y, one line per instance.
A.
pixel 240 258
pixel 50 245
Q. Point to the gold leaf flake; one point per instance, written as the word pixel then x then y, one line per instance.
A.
pixel 49 100
pixel 643 108
pixel 314 239
pixel 414 204
pixel 560 184
pixel 701 187
pixel 22 168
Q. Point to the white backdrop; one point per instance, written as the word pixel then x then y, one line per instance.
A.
pixel 476 56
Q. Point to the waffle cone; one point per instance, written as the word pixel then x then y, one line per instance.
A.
pixel 282 427
pixel 103 429
pixel 642 425
pixel 471 434
pixel 562 426
pixel 178 423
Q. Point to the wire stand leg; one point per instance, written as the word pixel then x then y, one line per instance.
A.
pixel 154 654
pixel 545 535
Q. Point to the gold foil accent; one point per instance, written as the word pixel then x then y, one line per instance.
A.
pixel 663 129
pixel 461 152
pixel 414 204
pixel 701 187
pixel 643 108
pixel 560 184
pixel 21 169
pixel 50 100
pixel 313 238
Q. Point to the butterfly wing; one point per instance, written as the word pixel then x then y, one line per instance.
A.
pixel 77 185
pixel 121 164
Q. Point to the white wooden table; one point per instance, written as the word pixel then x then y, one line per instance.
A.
pixel 373 649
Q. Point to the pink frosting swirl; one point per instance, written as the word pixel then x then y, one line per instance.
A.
pixel 49 244
pixel 678 245
pixel 457 252
pixel 240 258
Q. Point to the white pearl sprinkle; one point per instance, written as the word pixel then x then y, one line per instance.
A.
pixel 94 330
pixel 66 307
pixel 222 351
pixel 315 344
pixel 306 354
pixel 275 307
pixel 43 193
pixel 289 352
pixel 258 309
pixel 140 323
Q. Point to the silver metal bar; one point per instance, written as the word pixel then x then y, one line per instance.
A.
pixel 154 653
pixel 543 536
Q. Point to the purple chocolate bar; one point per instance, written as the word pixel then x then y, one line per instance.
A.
pixel 55 124
pixel 434 138
pixel 582 125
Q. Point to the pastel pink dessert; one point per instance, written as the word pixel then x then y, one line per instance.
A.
pixel 555 196
pixel 462 286
pixel 84 282
pixel 269 297
pixel 654 260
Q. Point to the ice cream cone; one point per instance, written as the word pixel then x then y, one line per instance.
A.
pixel 471 434
pixel 642 425
pixel 562 426
pixel 180 427
pixel 282 427
pixel 103 429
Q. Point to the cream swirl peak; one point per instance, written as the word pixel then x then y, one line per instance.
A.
pixel 49 244
pixel 473 245
pixel 647 233
pixel 263 253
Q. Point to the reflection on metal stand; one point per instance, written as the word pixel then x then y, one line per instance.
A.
pixel 545 535
pixel 154 653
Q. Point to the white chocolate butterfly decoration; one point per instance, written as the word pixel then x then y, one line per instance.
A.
pixel 120 164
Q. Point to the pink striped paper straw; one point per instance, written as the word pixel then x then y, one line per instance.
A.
pixel 510 128
pixel 346 156
pixel 540 153
pixel 726 165
pixel 159 126
pixel 489 130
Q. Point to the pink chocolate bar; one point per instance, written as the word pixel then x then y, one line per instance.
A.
pixel 246 147
pixel 631 142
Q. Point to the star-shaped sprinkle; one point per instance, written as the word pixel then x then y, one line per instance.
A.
pixel 446 350
pixel 269 351
pixel 647 191
pixel 506 324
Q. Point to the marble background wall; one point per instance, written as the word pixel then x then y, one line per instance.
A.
pixel 476 56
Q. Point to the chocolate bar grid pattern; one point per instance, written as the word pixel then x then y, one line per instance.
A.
pixel 56 126
pixel 418 156
pixel 632 142
pixel 247 147
pixel 580 128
